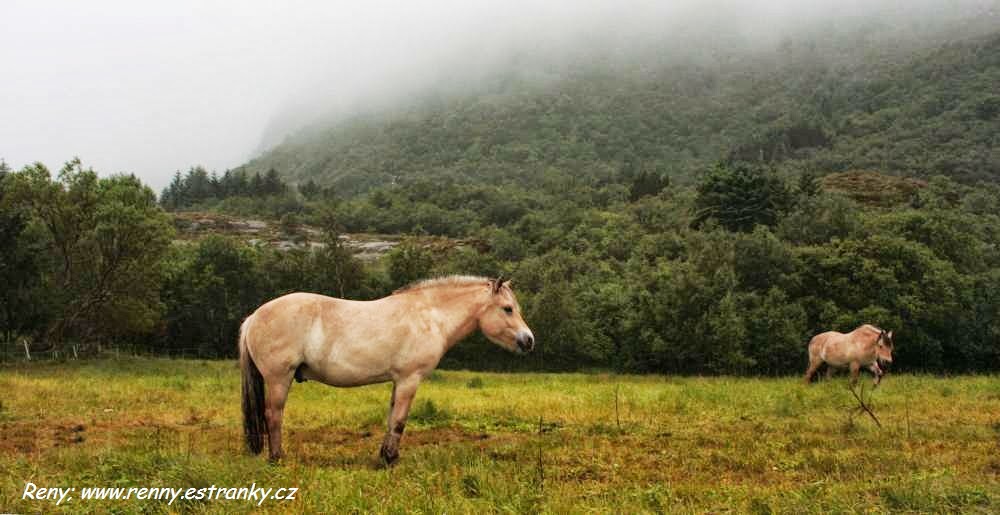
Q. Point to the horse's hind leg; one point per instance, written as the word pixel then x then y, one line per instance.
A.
pixel 829 371
pixel 814 365
pixel 855 372
pixel 277 394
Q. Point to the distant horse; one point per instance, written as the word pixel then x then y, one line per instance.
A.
pixel 399 338
pixel 867 346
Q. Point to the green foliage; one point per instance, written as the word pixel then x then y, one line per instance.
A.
pixel 821 218
pixel 234 190
pixel 826 103
pixel 647 183
pixel 211 286
pixel 22 309
pixel 809 184
pixel 103 239
pixel 739 197
pixel 408 262
pixel 208 290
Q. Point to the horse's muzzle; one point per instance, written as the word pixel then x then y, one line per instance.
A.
pixel 525 341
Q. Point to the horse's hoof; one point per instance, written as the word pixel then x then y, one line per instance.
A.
pixel 388 458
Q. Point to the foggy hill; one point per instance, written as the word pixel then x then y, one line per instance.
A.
pixel 905 102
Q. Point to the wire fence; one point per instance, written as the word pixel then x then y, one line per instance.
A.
pixel 17 352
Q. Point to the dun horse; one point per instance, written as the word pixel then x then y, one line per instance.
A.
pixel 867 346
pixel 399 338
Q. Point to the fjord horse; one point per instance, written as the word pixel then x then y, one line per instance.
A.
pixel 867 346
pixel 399 338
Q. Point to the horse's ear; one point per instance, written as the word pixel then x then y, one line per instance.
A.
pixel 889 334
pixel 497 284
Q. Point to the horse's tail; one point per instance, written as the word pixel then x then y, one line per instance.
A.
pixel 254 423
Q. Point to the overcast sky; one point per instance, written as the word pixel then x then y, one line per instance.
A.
pixel 154 87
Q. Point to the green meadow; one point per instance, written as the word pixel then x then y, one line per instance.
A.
pixel 512 443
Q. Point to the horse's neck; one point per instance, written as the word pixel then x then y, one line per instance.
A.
pixel 455 312
pixel 866 334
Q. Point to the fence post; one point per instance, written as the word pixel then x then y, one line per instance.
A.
pixel 26 351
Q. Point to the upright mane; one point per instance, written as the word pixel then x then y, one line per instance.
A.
pixel 449 280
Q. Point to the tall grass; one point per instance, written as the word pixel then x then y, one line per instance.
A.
pixel 474 443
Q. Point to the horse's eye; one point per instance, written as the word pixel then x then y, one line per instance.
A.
pixel 508 309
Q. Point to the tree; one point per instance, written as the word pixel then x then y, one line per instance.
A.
pixel 272 184
pixel 337 270
pixel 810 184
pixel 647 183
pixel 255 188
pixel 208 289
pixel 408 262
pixel 198 185
pixel 23 305
pixel 821 218
pixel 106 238
pixel 310 190
pixel 174 196
pixel 739 197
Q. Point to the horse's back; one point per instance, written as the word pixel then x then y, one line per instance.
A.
pixel 820 340
pixel 294 299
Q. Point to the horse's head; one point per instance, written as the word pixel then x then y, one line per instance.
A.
pixel 883 348
pixel 501 322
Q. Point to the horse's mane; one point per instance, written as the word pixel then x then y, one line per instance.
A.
pixel 870 327
pixel 448 280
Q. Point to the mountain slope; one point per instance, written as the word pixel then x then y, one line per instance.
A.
pixel 830 106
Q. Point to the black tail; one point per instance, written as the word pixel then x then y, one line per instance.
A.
pixel 254 423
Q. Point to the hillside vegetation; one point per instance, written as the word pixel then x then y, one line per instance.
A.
pixel 855 100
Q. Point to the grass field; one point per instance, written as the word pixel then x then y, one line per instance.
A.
pixel 474 442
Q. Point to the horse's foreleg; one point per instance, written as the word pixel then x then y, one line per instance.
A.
pixel 277 394
pixel 392 404
pixel 399 408
pixel 877 372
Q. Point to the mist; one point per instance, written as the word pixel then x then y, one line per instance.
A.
pixel 155 88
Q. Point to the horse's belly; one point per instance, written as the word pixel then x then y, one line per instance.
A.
pixel 843 354
pixel 342 365
pixel 344 376
pixel 339 363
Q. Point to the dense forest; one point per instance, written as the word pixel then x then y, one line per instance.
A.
pixel 833 105
pixel 679 217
